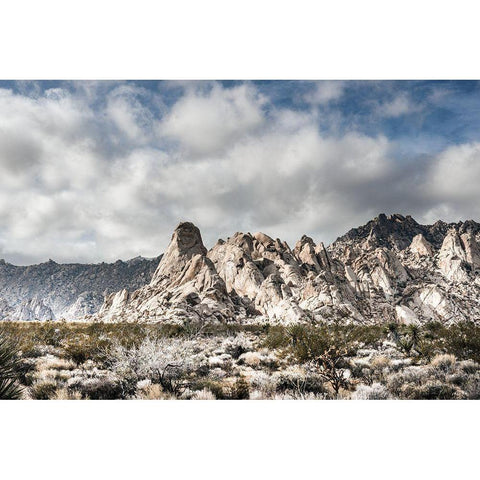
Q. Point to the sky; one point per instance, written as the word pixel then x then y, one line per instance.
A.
pixel 95 171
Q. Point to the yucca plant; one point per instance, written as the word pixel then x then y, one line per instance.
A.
pixel 10 365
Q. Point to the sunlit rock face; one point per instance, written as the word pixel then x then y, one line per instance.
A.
pixel 421 246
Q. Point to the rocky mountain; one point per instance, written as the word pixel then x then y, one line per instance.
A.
pixel 391 269
pixel 52 291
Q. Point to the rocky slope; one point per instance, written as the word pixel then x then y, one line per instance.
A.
pixel 391 269
pixel 52 291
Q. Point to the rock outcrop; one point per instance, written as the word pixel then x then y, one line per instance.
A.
pixel 185 285
pixel 34 309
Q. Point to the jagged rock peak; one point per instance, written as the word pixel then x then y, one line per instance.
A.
pixel 305 252
pixel 397 232
pixel 389 231
pixel 420 246
pixel 264 239
pixel 187 239
pixel 186 242
pixel 243 240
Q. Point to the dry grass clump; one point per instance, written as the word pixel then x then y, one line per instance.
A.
pixel 376 391
pixel 43 389
pixel 444 363
pixel 65 394
pixel 203 394
pixel 380 363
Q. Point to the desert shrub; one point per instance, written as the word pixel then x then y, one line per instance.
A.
pixel 407 378
pixel 463 341
pixel 430 391
pixel 204 394
pixel 376 391
pixel 362 372
pixel 457 378
pixel 471 387
pixel 276 337
pixel 238 345
pixel 443 363
pixel 380 363
pixel 298 382
pixel 406 337
pixel 264 383
pixel 252 359
pixel 329 367
pixel 240 390
pixel 163 361
pixel 469 367
pixel 153 392
pixel 307 342
pixel 65 394
pixel 371 371
pixel 43 389
pixel 83 347
pixel 213 386
pixel 99 388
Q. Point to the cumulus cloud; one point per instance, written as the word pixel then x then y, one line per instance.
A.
pixel 96 172
pixel 209 123
pixel 452 183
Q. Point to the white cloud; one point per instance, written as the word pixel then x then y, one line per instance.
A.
pixel 400 105
pixel 129 115
pixel 325 92
pixel 206 123
pixel 452 183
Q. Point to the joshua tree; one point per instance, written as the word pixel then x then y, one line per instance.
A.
pixel 328 368
pixel 9 366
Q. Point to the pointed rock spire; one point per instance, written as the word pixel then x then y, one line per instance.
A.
pixel 185 243
pixel 304 251
pixel 452 256
pixel 421 246
pixel 472 249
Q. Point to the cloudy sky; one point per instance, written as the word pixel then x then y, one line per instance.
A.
pixel 96 171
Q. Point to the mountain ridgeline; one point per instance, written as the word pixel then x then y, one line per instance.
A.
pixel 390 270
pixel 52 291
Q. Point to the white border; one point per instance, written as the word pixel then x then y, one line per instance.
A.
pixel 216 39
pixel 252 39
pixel 239 439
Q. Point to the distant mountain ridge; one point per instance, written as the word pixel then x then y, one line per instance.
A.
pixel 52 291
pixel 397 231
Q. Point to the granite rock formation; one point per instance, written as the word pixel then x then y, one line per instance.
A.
pixel 391 269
